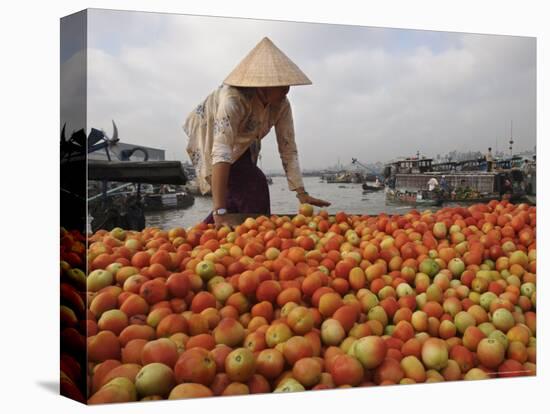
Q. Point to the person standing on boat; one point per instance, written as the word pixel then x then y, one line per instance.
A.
pixel 432 184
pixel 444 185
pixel 463 191
pixel 507 187
pixel 225 131
pixel 489 159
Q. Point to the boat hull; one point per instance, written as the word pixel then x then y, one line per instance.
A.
pixel 410 198
pixel 371 188
pixel 171 201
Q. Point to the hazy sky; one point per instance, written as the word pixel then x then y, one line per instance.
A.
pixel 377 93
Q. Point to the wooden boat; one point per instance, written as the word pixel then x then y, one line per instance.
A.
pixel 466 181
pixel 369 188
pixel 150 197
pixel 169 201
pixel 343 179
pixel 413 198
pixel 105 210
pixel 427 198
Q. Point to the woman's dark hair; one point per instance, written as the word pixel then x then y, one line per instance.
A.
pixel 246 90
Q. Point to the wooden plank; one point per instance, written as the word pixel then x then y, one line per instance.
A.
pixel 151 172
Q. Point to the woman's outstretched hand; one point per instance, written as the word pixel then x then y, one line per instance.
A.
pixel 307 199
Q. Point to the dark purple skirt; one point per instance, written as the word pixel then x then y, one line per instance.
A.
pixel 247 189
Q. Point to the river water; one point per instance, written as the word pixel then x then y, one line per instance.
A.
pixel 344 197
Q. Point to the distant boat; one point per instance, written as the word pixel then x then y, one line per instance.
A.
pixel 152 198
pixel 367 187
pixel 414 198
pixel 344 178
pixel 104 209
pixel 466 181
pixel 172 200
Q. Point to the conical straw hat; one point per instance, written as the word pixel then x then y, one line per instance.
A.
pixel 266 66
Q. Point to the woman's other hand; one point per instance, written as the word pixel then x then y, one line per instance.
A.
pixel 307 199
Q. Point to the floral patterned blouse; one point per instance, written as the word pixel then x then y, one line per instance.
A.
pixel 231 120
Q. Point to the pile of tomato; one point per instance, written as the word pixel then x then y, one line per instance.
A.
pixel 313 301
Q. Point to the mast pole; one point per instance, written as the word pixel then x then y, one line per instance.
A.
pixel 511 137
